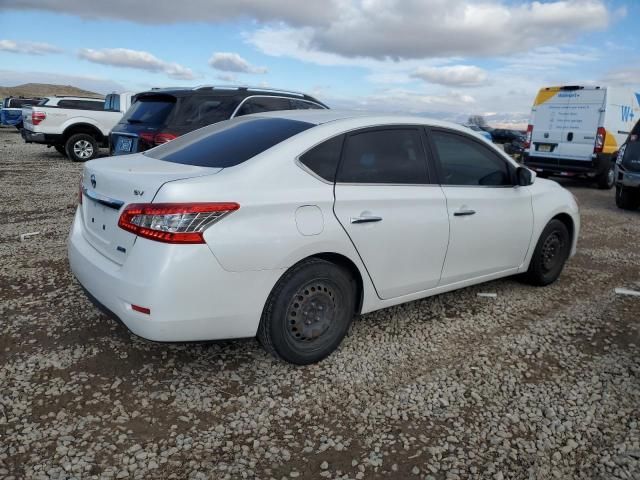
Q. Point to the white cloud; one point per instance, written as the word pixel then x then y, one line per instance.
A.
pixel 623 76
pixel 454 75
pixel 167 11
pixel 232 62
pixel 414 29
pixel 29 48
pixel 227 77
pixel 123 57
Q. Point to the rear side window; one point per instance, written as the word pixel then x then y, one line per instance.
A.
pixel 227 144
pixel 198 110
pixel 393 156
pixel 263 104
pixel 304 105
pixel 323 159
pixel 150 110
pixel 467 162
pixel 81 104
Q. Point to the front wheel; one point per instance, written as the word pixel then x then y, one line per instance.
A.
pixel 627 198
pixel 308 312
pixel 550 255
pixel 607 178
pixel 81 147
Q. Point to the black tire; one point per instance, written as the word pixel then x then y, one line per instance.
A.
pixel 81 147
pixel 61 150
pixel 627 198
pixel 550 255
pixel 308 312
pixel 607 179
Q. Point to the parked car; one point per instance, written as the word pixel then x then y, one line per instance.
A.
pixel 576 130
pixel 286 224
pixel 627 172
pixel 11 110
pixel 505 135
pixel 76 126
pixel 483 133
pixel 515 147
pixel 161 115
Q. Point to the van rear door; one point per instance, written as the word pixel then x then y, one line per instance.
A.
pixel 548 122
pixel 584 113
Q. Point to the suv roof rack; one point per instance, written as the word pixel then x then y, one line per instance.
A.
pixel 253 89
pixel 76 96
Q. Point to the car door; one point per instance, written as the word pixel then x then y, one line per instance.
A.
pixel 491 219
pixel 395 217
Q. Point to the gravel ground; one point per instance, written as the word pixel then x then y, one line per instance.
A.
pixel 536 383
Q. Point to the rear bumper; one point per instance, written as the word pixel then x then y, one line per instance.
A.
pixel 595 166
pixel 37 137
pixel 190 296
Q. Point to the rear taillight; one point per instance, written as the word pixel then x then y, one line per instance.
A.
pixel 601 136
pixel 164 138
pixel 527 138
pixel 37 117
pixel 157 138
pixel 173 222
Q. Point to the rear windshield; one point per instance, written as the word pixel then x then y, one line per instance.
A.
pixel 21 102
pixel 230 143
pixel 150 110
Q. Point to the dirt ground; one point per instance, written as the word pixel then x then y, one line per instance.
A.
pixel 535 383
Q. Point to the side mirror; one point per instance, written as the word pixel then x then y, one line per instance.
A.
pixel 525 176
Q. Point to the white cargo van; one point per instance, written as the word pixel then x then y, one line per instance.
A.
pixel 576 130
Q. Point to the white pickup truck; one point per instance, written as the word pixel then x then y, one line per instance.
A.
pixel 75 126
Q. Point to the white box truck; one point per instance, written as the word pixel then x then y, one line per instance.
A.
pixel 577 130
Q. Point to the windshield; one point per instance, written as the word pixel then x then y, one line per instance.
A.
pixel 228 143
pixel 150 110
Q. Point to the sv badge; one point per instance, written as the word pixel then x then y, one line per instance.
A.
pixel 139 193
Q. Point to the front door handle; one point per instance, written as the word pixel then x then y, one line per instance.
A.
pixel 463 212
pixel 365 219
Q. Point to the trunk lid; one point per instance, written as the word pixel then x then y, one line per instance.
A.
pixel 111 184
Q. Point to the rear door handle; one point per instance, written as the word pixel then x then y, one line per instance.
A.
pixel 463 212
pixel 365 219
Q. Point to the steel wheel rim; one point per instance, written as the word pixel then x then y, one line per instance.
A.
pixel 551 250
pixel 83 149
pixel 311 312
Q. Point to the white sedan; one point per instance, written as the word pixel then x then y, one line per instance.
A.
pixel 286 225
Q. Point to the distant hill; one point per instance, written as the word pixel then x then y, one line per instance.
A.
pixel 45 90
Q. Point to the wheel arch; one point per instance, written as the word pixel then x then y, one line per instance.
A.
pixel 566 219
pixel 83 128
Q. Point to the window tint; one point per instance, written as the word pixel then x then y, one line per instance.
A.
pixel 21 102
pixel 112 103
pixel 150 110
pixel 304 105
pixel 82 104
pixel 323 159
pixel 199 110
pixel 384 156
pixel 226 144
pixel 263 104
pixel 466 162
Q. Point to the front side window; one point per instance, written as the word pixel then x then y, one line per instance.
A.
pixel 466 162
pixel 323 159
pixel 393 156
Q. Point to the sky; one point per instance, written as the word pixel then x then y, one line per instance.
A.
pixel 444 58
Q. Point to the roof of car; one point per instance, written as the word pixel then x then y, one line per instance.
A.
pixel 319 117
pixel 228 91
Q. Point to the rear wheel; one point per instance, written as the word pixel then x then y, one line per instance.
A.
pixel 308 312
pixel 607 178
pixel 81 147
pixel 627 198
pixel 550 255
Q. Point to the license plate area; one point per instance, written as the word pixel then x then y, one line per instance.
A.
pixel 544 147
pixel 124 144
pixel 101 220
